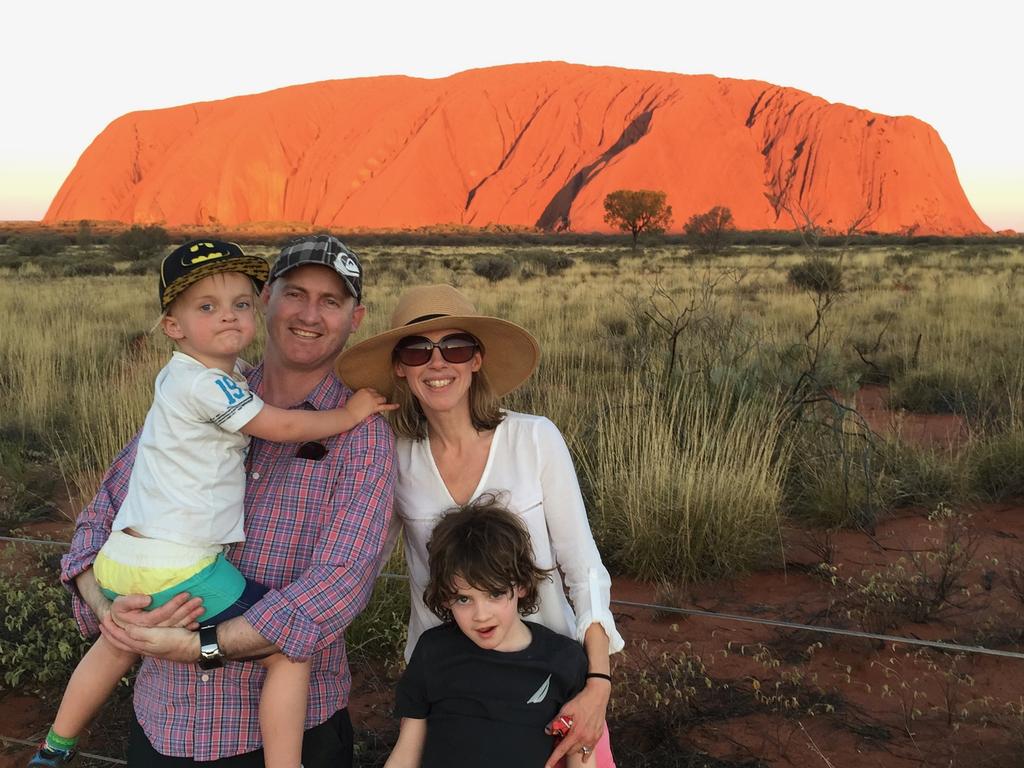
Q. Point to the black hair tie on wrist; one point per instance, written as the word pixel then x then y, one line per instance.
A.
pixel 601 675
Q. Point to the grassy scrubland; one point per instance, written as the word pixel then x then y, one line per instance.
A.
pixel 710 398
pixel 709 402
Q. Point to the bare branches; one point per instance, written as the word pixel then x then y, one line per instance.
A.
pixel 674 314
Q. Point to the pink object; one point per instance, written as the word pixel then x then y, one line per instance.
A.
pixel 602 757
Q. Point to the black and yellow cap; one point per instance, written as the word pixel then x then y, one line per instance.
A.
pixel 189 263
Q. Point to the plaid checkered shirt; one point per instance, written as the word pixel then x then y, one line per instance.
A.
pixel 314 535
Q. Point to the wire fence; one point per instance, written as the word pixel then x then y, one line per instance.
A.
pixel 733 617
pixel 664 609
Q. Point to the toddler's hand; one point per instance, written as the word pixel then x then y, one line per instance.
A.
pixel 366 402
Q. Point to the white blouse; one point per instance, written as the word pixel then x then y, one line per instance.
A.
pixel 530 470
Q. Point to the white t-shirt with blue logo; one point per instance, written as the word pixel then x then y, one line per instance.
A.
pixel 188 481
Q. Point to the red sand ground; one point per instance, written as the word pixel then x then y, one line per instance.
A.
pixel 873 687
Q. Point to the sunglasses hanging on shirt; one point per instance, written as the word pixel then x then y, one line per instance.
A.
pixel 311 451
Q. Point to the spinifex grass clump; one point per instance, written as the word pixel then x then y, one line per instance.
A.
pixel 934 392
pixel 995 456
pixel 835 477
pixel 378 633
pixel 921 475
pixel 685 485
pixel 27 483
pixel 995 465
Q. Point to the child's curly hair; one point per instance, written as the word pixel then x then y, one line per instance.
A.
pixel 486 546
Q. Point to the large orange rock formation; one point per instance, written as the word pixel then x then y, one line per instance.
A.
pixel 523 145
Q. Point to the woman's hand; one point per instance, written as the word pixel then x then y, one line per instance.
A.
pixel 587 710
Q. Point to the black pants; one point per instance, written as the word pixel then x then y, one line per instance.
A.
pixel 328 745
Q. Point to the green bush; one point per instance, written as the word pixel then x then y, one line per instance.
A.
pixel 551 262
pixel 88 268
pixel 34 246
pixel 27 481
pixel 139 243
pixel 817 274
pixel 493 268
pixel 903 259
pixel 84 236
pixel 528 271
pixel 835 476
pixel 995 466
pixel 932 392
pixel 603 257
pixel 11 260
pixel 39 641
pixel 972 252
pixel 921 476
pixel 145 267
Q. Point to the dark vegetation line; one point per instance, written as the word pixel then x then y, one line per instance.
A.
pixel 104 232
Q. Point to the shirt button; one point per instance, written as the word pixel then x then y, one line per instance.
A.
pixel 205 678
pixel 255 475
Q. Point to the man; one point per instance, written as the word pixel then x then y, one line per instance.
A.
pixel 316 519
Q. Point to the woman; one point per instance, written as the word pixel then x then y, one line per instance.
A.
pixel 447 365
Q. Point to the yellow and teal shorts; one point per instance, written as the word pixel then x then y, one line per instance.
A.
pixel 129 565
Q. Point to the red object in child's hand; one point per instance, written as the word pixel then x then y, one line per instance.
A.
pixel 561 726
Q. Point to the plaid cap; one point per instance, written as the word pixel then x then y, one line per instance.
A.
pixel 189 263
pixel 326 250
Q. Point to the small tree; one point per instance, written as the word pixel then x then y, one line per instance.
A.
pixel 139 243
pixel 709 232
pixel 84 236
pixel 637 210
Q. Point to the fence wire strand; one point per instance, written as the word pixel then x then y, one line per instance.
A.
pixel 719 616
pixel 735 617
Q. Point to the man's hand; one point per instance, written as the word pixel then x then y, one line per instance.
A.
pixel 168 643
pixel 182 610
pixel 128 611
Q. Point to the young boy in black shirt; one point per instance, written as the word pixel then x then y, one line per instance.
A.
pixel 481 688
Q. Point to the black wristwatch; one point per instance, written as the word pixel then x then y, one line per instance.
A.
pixel 210 654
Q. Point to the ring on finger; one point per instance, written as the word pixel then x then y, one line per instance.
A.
pixel 585 750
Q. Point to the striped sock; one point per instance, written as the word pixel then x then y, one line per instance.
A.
pixel 57 743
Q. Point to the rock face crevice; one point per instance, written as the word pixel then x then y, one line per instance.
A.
pixel 533 145
pixel 556 214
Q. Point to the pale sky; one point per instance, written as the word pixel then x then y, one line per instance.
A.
pixel 70 68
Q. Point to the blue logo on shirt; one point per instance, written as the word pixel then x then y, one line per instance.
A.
pixel 231 390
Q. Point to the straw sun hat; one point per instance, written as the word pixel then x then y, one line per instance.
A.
pixel 510 353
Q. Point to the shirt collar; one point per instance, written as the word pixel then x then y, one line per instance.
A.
pixel 324 395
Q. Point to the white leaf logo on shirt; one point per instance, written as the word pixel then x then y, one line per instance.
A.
pixel 541 694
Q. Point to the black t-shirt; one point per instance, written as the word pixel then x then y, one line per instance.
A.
pixel 488 707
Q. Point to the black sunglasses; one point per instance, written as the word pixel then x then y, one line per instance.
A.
pixel 455 348
pixel 311 451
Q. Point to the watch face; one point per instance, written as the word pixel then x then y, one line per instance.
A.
pixel 210 654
